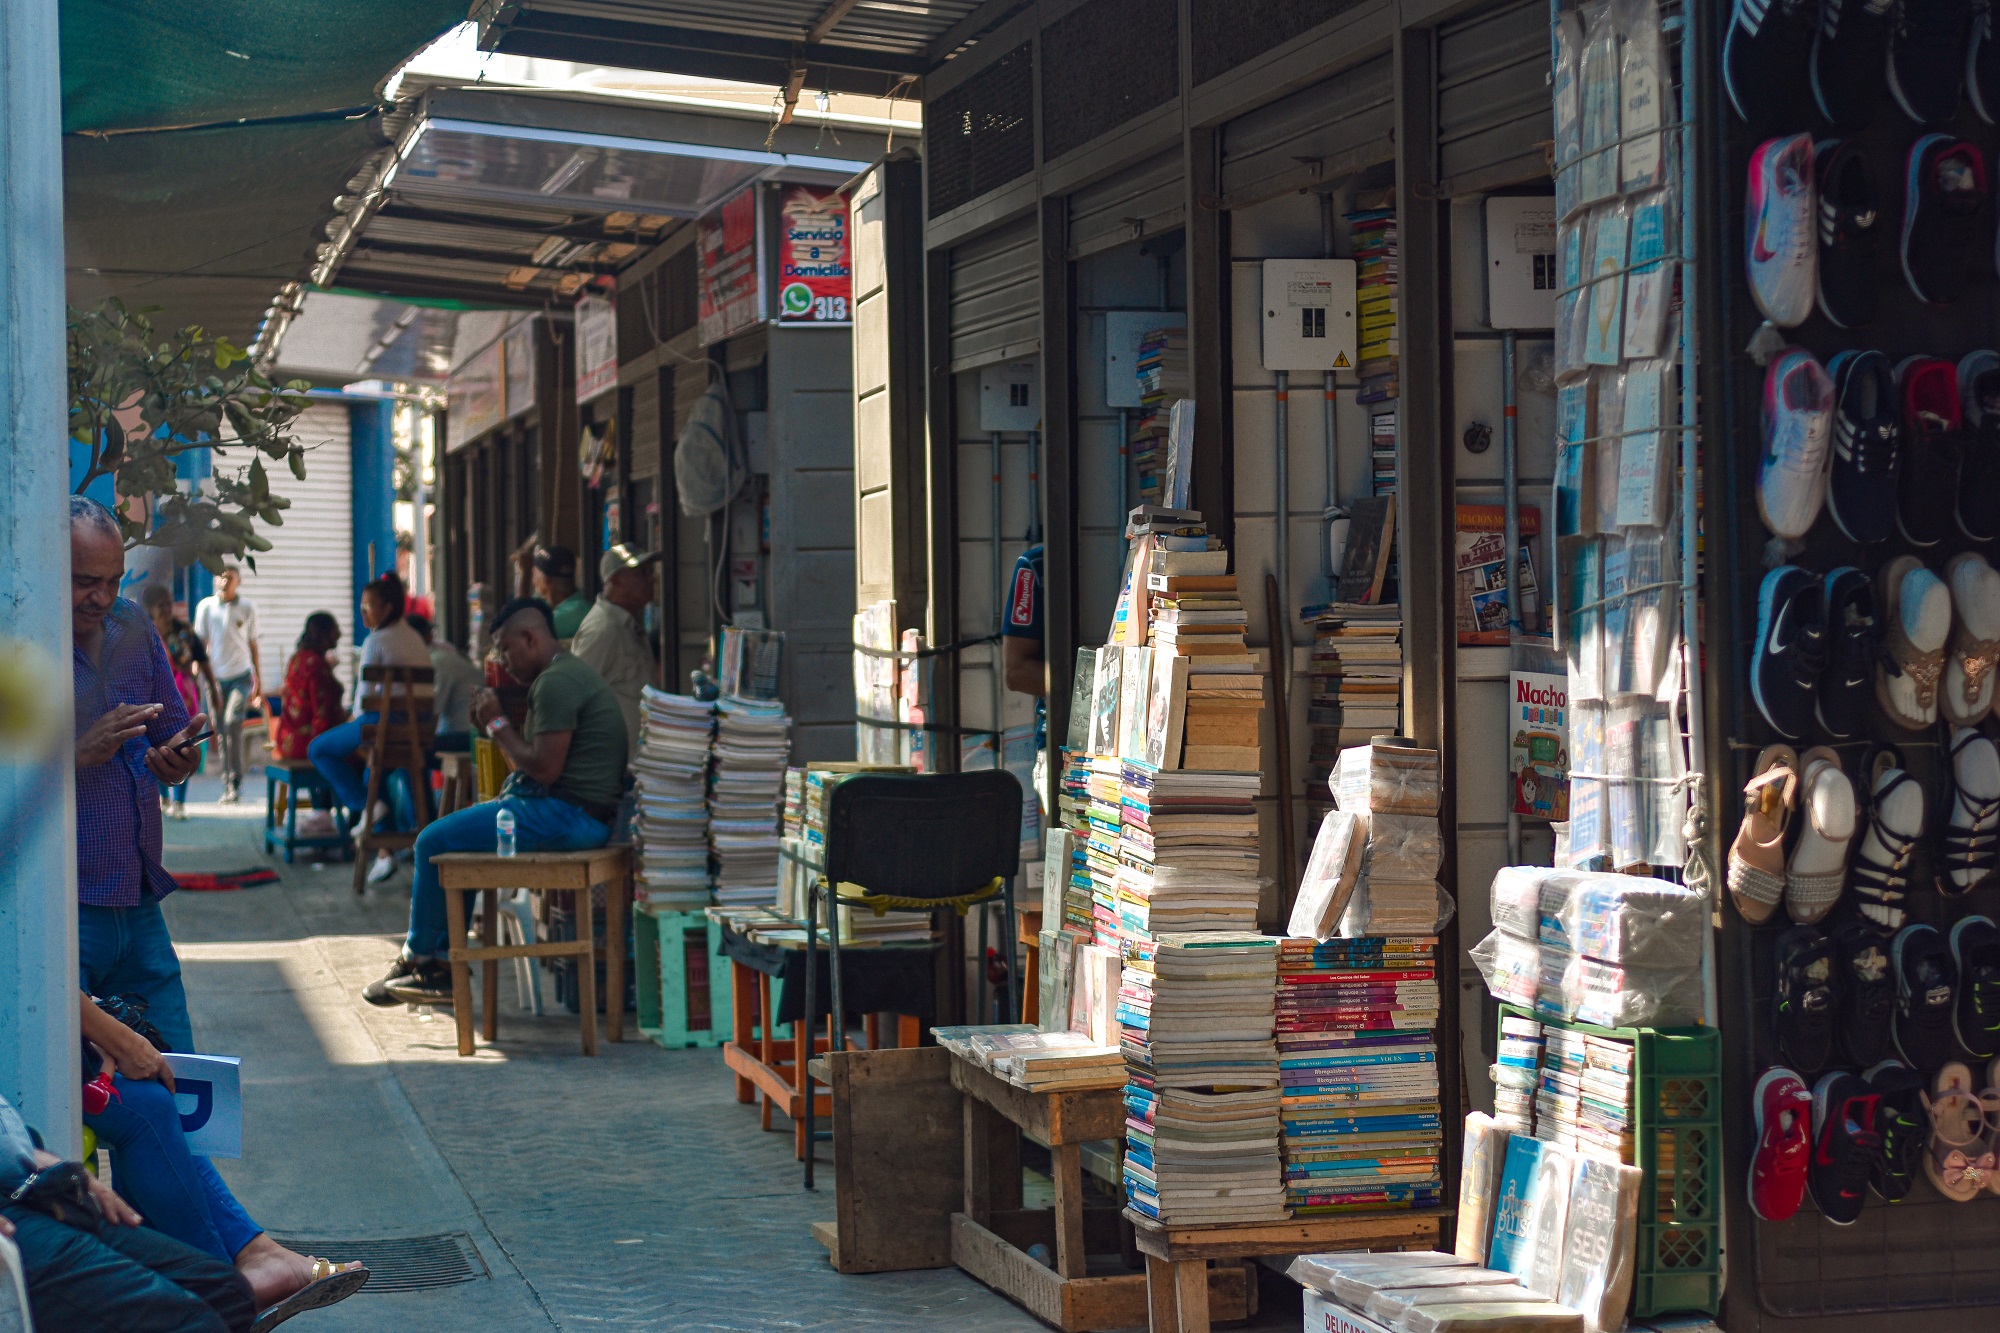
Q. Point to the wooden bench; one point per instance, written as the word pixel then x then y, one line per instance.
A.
pixel 460 873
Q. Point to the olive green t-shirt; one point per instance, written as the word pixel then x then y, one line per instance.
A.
pixel 569 614
pixel 570 696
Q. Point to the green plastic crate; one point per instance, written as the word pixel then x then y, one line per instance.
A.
pixel 672 950
pixel 1677 1137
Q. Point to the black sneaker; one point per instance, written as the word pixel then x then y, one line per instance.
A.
pixel 1867 435
pixel 1765 55
pixel 1975 956
pixel 1847 70
pixel 377 992
pixel 1930 457
pixel 1850 228
pixel 1924 997
pixel 1927 57
pixel 1791 650
pixel 1982 64
pixel 1847 688
pixel 1807 999
pixel 1944 217
pixel 1846 1146
pixel 1904 1126
pixel 1867 993
pixel 428 982
pixel 1979 474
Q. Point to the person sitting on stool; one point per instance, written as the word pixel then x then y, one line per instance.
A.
pixel 569 771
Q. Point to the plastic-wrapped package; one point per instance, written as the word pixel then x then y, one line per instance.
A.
pixel 1629 997
pixel 1404 848
pixel 1330 876
pixel 1517 900
pixel 1600 1248
pixel 1389 1307
pixel 1568 110
pixel 1627 919
pixel 1386 776
pixel 1479 1184
pixel 1383 907
pixel 1600 102
pixel 1318 1270
pixel 1511 965
pixel 1604 325
pixel 1354 1286
pixel 1491 1317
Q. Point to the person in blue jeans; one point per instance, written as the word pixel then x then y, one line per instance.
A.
pixel 569 774
pixel 334 752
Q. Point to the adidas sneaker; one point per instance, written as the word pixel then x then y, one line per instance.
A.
pixel 1848 75
pixel 1797 418
pixel 1928 470
pixel 1780 248
pixel 1979 478
pixel 1850 228
pixel 1861 485
pixel 1764 57
pixel 1944 212
pixel 1927 51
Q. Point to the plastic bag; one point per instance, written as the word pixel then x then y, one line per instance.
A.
pixel 1386 776
pixel 1354 1286
pixel 1630 997
pixel 1387 908
pixel 1318 1270
pixel 1404 848
pixel 1624 919
pixel 1533 1316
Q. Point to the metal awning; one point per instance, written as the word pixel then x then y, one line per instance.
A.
pixel 342 338
pixel 845 46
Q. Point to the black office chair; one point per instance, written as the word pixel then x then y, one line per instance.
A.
pixel 909 842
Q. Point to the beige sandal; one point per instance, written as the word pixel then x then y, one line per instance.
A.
pixel 1757 857
pixel 331 1284
pixel 1816 875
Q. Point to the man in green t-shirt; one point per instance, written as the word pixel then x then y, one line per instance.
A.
pixel 569 774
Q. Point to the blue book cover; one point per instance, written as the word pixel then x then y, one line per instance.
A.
pixel 1512 1245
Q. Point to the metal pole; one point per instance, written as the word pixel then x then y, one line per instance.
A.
pixel 420 528
pixel 38 958
pixel 1511 485
pixel 1124 463
pixel 999 608
pixel 1282 536
pixel 1034 487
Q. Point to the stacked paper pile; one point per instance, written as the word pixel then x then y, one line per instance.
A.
pixel 1395 785
pixel 1200 618
pixel 1188 852
pixel 670 788
pixel 1373 232
pixel 1356 670
pixel 1357 1055
pixel 1517 1074
pixel 752 741
pixel 1382 448
pixel 1163 377
pixel 1584 1102
pixel 1195 1014
pixel 1103 808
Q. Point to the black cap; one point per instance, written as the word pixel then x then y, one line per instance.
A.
pixel 558 562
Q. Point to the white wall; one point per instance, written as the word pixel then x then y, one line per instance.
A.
pixel 310 566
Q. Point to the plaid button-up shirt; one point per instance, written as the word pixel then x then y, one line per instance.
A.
pixel 118 840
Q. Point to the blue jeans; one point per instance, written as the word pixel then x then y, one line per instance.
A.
pixel 127 951
pixel 156 1172
pixel 236 696
pixel 541 824
pixel 333 753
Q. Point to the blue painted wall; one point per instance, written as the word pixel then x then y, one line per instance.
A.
pixel 372 429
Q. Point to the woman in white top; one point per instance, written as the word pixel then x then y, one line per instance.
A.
pixel 390 642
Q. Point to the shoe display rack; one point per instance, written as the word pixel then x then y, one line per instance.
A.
pixel 1851 448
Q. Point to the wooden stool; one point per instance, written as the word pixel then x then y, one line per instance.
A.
pixel 401 739
pixel 460 873
pixel 460 782
pixel 299 778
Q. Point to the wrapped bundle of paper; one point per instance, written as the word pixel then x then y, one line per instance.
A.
pixel 1387 776
pixel 1331 875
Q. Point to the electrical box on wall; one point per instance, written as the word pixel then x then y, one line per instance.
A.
pixel 1124 330
pixel 1521 262
pixel 1010 397
pixel 1309 314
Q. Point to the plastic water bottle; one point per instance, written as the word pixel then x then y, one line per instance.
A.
pixel 503 830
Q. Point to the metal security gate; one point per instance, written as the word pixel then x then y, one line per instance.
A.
pixel 996 292
pixel 1494 105
pixel 1140 201
pixel 1332 129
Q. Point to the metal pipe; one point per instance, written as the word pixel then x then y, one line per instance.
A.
pixel 1034 487
pixel 999 608
pixel 1510 472
pixel 1333 515
pixel 38 996
pixel 1124 464
pixel 1281 534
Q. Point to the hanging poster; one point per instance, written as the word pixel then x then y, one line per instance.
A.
pixel 519 365
pixel 1538 749
pixel 596 347
pixel 815 274
pixel 730 298
pixel 474 402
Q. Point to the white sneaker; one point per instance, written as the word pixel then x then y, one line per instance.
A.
pixel 1781 250
pixel 229 795
pixel 1797 422
pixel 1967 693
pixel 384 867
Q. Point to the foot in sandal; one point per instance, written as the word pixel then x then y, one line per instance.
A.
pixel 1757 857
pixel 1817 871
pixel 1972 832
pixel 331 1283
pixel 276 1273
pixel 1881 874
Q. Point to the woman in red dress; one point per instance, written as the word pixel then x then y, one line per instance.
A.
pixel 312 694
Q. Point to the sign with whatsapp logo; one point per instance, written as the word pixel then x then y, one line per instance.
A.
pixel 815 278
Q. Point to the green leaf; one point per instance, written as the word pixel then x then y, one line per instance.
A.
pixel 297 458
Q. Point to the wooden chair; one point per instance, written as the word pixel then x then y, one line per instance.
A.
pixel 402 739
pixel 577 873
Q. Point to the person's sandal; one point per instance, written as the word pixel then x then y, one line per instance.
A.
pixel 1757 857
pixel 1817 872
pixel 1960 1161
pixel 1881 876
pixel 331 1284
pixel 1971 848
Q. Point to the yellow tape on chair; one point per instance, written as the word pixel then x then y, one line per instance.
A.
pixel 853 895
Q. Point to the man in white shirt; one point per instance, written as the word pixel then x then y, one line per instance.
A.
pixel 611 637
pixel 226 621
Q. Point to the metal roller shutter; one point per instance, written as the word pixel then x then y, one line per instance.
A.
pixel 1494 109
pixel 1332 129
pixel 310 566
pixel 996 296
pixel 1139 201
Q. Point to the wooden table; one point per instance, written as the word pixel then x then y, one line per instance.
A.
pixel 991 1237
pixel 1178 1299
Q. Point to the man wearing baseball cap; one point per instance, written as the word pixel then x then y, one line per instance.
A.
pixel 554 581
pixel 612 637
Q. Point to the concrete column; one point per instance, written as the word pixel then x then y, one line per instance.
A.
pixel 371 431
pixel 38 960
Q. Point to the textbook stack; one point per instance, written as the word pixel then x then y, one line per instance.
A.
pixel 670 790
pixel 1198 618
pixel 746 786
pixel 1382 450
pixel 1187 850
pixel 1517 1074
pixel 1163 377
pixel 1195 1015
pixel 1584 1102
pixel 1357 1058
pixel 1104 816
pixel 1356 673
pixel 1373 234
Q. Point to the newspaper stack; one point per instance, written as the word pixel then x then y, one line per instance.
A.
pixel 752 741
pixel 670 788
pixel 1195 1016
pixel 1188 852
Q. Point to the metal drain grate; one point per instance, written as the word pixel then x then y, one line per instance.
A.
pixel 402 1263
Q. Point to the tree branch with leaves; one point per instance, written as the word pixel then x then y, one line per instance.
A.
pixel 137 404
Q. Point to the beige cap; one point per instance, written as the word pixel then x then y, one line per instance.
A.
pixel 622 556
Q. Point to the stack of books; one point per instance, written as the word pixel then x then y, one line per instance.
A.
pixel 1199 618
pixel 1517 1074
pixel 1163 377
pixel 1382 450
pixel 1394 784
pixel 1356 673
pixel 1373 234
pixel 746 785
pixel 1357 1056
pixel 670 790
pixel 1195 1016
pixel 1187 844
pixel 1104 812
pixel 1584 1102
pixel 1036 1060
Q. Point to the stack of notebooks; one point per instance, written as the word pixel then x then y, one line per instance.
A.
pixel 1517 1074
pixel 1187 850
pixel 1584 1102
pixel 1356 671
pixel 1382 450
pixel 1198 619
pixel 1394 785
pixel 1373 233
pixel 1195 1015
pixel 1357 1056
pixel 1163 377
pixel 1102 841
pixel 1038 1061
pixel 746 786
pixel 670 791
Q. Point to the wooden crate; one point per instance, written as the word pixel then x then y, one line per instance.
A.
pixel 681 971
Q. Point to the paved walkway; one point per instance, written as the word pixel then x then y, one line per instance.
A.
pixel 630 1190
